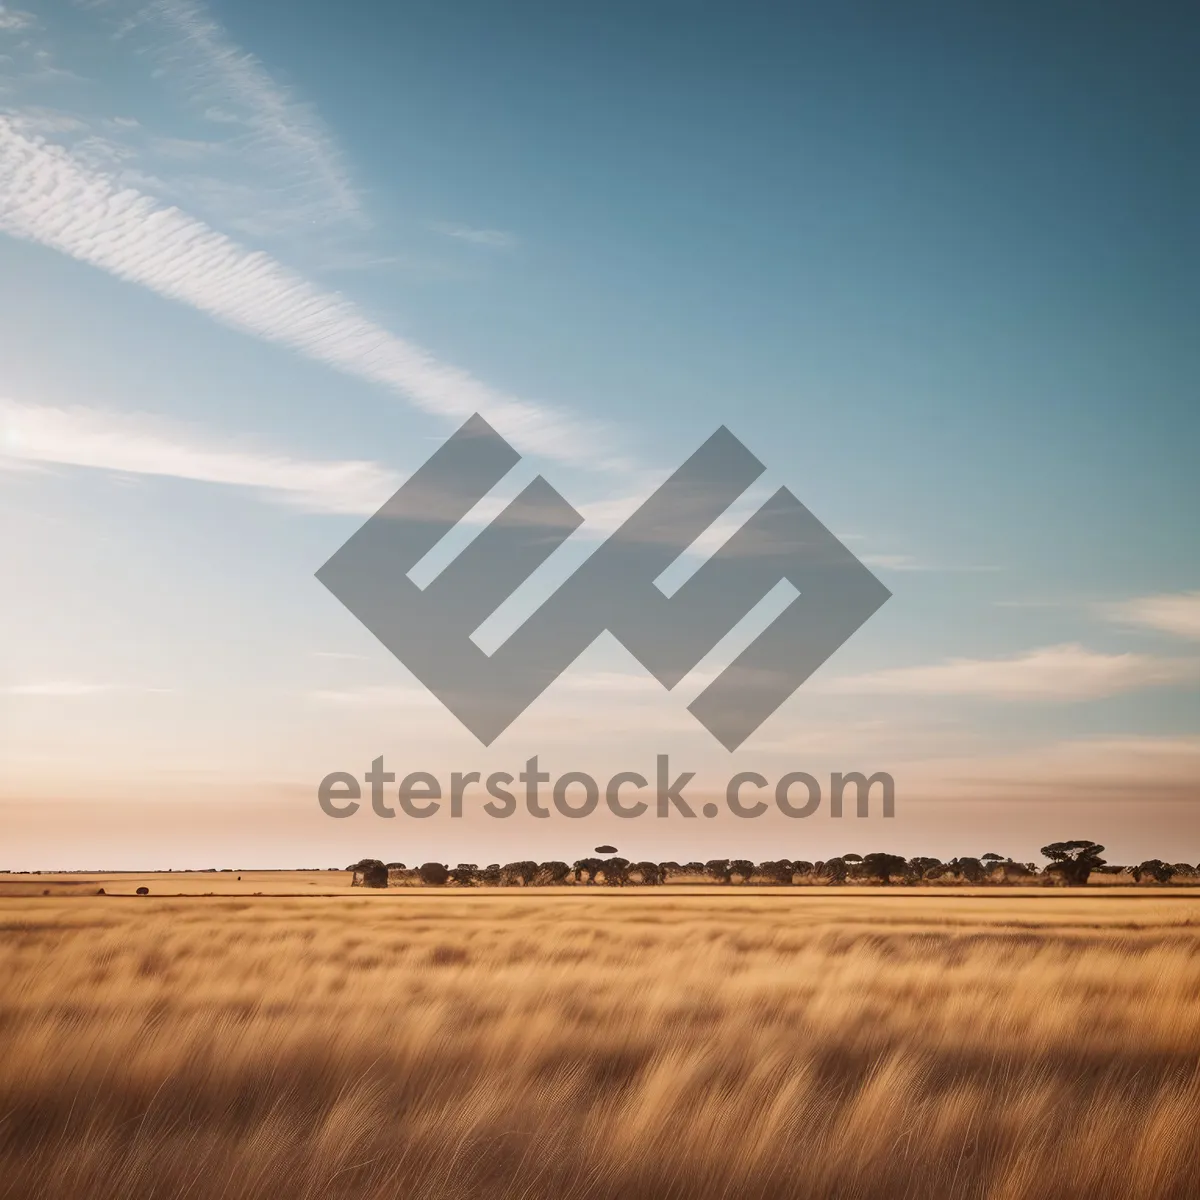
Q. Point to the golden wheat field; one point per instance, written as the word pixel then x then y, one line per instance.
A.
pixel 709 1043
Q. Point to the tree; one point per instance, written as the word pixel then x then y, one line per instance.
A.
pixel 1155 869
pixel 648 873
pixel 1010 870
pixel 553 872
pixel 834 869
pixel 778 871
pixel 971 869
pixel 743 868
pixel 718 869
pixel 884 866
pixel 925 868
pixel 616 871
pixel 1073 862
pixel 586 869
pixel 521 873
pixel 374 874
pixel 465 874
pixel 433 874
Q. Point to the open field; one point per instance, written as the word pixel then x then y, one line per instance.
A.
pixel 599 1043
pixel 339 883
pixel 180 883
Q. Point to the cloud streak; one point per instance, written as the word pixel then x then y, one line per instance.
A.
pixel 495 239
pixel 141 445
pixel 1176 613
pixel 1063 672
pixel 48 197
pixel 14 20
pixel 1132 767
pixel 232 88
pixel 73 688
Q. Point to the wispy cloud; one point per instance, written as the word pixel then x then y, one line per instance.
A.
pixel 893 562
pixel 13 20
pixel 1172 612
pixel 496 239
pixel 37 120
pixel 381 696
pixel 906 562
pixel 613 709
pixel 231 88
pixel 1063 672
pixel 144 445
pixel 1126 768
pixel 46 196
pixel 218 132
pixel 71 688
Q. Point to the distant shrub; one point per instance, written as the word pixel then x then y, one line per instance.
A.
pixel 367 872
pixel 552 872
pixel 374 874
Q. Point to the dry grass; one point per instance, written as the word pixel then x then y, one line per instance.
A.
pixel 598 1045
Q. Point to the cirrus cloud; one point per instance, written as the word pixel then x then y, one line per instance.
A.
pixel 1063 672
pixel 494 239
pixel 73 688
pixel 47 196
pixel 1177 613
pixel 142 445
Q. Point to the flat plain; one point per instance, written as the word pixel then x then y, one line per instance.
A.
pixel 595 1042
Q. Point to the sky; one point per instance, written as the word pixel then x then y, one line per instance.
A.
pixel 934 265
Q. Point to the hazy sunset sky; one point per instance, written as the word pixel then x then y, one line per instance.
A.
pixel 936 268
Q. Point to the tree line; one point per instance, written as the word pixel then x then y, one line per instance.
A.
pixel 1069 864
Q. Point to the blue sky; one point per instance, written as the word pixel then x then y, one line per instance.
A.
pixel 936 268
